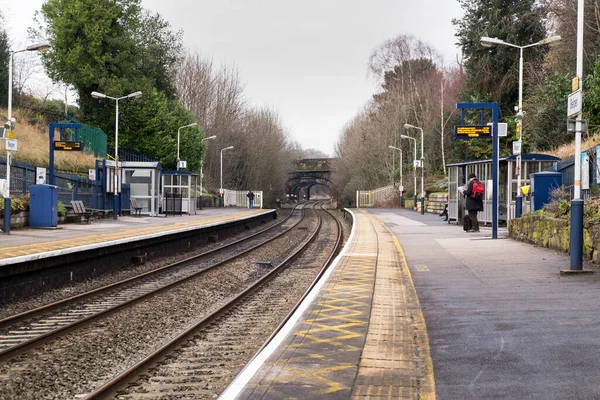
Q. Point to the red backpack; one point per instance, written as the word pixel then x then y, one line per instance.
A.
pixel 477 190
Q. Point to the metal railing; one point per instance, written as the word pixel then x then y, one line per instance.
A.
pixel 239 198
pixel 376 197
pixel 71 186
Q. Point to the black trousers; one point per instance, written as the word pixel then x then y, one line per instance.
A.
pixel 474 221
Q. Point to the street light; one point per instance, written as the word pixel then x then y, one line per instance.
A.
pixel 401 185
pixel 414 165
pixel 201 165
pixel 489 42
pixel 178 130
pixel 33 47
pixel 409 126
pixel 134 95
pixel 221 189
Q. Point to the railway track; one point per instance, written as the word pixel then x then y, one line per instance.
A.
pixel 201 361
pixel 26 330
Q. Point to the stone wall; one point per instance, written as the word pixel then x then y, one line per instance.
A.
pixel 554 233
pixel 19 220
pixel 434 204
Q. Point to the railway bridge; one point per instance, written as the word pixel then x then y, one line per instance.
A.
pixel 307 173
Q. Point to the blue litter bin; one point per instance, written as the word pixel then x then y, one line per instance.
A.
pixel 542 184
pixel 43 206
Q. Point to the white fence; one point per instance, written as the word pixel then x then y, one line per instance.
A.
pixel 238 198
pixel 369 198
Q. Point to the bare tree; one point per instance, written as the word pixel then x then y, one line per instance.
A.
pixel 415 89
pixel 262 151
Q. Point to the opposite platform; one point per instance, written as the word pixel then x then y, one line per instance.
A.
pixel 30 243
pixel 359 334
pixel 40 259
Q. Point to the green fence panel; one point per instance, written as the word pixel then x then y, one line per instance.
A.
pixel 93 138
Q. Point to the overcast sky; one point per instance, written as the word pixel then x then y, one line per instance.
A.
pixel 306 59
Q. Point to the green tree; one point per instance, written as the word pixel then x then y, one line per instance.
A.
pixel 148 126
pixel 116 48
pixel 492 73
pixel 92 43
pixel 545 124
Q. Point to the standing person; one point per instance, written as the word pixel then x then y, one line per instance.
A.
pixel 474 203
pixel 250 196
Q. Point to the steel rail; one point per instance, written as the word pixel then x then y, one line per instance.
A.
pixel 16 349
pixel 31 313
pixel 334 252
pixel 109 389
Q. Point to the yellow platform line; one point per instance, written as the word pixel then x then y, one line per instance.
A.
pixel 42 247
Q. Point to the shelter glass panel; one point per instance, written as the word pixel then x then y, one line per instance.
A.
pixel 140 182
pixel 547 165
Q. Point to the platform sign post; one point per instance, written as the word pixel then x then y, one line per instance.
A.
pixel 61 144
pixel 574 109
pixel 480 132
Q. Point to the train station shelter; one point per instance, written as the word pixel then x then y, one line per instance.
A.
pixel 179 192
pixel 507 184
pixel 143 179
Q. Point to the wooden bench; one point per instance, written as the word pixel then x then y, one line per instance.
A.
pixel 80 210
pixel 136 210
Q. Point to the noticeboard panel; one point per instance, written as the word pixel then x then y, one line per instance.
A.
pixel 65 145
pixel 472 131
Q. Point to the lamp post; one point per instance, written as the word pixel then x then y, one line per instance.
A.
pixel 401 185
pixel 409 126
pixel 414 164
pixel 221 189
pixel 133 95
pixel 489 42
pixel 201 165
pixel 33 47
pixel 179 130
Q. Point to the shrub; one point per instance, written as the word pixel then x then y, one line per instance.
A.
pixel 62 210
pixel 559 205
pixel 18 203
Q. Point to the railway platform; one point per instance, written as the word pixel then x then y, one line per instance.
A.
pixel 411 295
pixel 30 258
pixel 359 334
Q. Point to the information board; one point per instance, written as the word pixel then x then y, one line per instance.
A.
pixel 65 145
pixel 472 132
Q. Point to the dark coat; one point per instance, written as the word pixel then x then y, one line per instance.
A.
pixel 471 203
pixel 250 195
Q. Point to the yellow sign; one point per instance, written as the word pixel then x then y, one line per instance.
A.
pixel 68 145
pixel 11 134
pixel 467 132
pixel 575 84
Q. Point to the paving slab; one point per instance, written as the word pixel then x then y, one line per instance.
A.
pixel 503 323
pixel 27 242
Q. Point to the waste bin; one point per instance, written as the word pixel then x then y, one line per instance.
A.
pixel 43 206
pixel 542 184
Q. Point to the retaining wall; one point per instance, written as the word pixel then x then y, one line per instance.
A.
pixel 554 233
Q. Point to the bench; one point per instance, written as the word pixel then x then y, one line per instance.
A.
pixel 136 210
pixel 80 210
